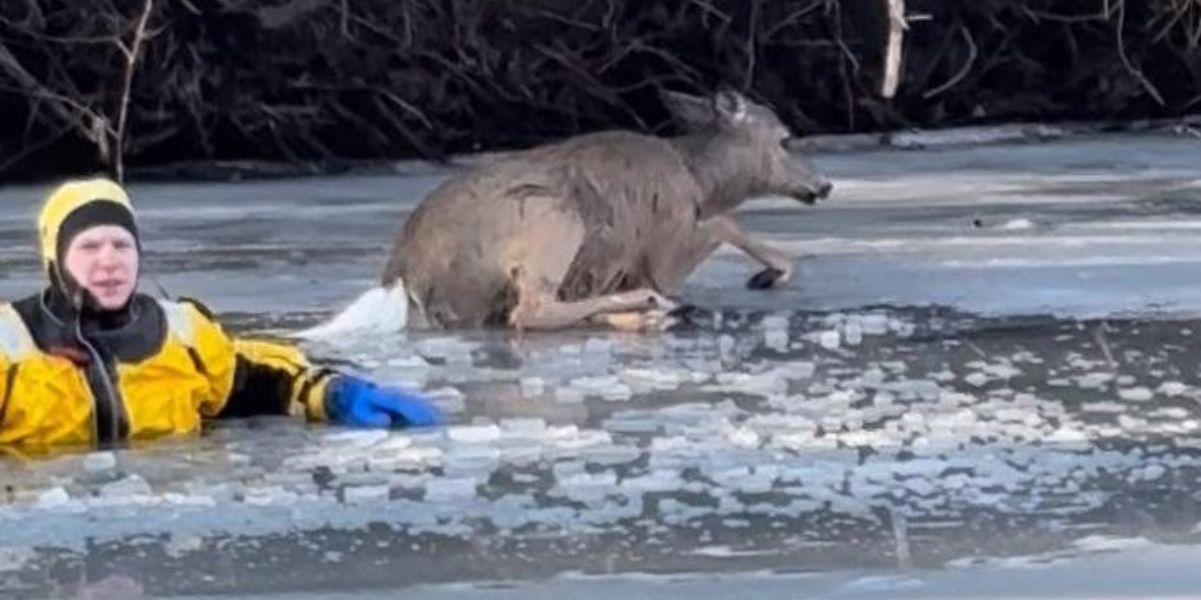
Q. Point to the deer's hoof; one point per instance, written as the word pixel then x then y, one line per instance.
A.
pixel 689 317
pixel 766 279
pixel 685 312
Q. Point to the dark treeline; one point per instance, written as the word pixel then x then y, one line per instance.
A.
pixel 83 82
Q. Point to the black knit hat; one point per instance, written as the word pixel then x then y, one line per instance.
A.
pixel 96 212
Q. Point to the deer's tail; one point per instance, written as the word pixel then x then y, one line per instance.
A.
pixel 379 310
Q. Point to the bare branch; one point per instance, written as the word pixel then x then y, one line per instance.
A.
pixel 973 53
pixel 752 48
pixel 1130 68
pixel 131 61
pixel 59 104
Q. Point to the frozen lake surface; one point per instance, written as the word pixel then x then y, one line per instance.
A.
pixel 985 374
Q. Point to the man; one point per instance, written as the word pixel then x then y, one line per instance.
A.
pixel 90 361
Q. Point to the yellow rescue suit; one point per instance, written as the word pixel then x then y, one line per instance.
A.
pixel 159 367
pixel 187 368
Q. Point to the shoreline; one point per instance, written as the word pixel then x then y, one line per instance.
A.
pixel 915 139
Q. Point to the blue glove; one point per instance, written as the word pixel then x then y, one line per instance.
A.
pixel 359 402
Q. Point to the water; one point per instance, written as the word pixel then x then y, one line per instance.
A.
pixel 986 362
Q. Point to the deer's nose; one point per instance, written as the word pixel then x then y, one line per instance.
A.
pixel 824 188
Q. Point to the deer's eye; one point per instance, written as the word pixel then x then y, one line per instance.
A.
pixel 786 142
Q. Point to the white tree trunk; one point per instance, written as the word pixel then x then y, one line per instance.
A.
pixel 892 52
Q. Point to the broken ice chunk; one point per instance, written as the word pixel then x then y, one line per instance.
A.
pixel 830 340
pixel 408 361
pixel 648 379
pixel 527 428
pixel 473 434
pixel 99 461
pixel 776 339
pixel 874 324
pixel 977 379
pixel 566 395
pixel 854 333
pixel 1173 388
pixel 1094 380
pixel 131 485
pixel 1137 394
pixel 365 494
pixel 359 438
pixel 273 495
pixel 450 488
pixel 532 386
pixel 53 498
pixel 743 437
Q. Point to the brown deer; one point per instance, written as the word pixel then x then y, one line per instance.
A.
pixel 600 227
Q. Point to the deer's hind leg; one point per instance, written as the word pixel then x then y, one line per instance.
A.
pixel 657 319
pixel 539 308
pixel 538 261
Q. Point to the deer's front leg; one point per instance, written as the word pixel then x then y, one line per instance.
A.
pixel 779 264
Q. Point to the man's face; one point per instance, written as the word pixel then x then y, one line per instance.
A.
pixel 103 259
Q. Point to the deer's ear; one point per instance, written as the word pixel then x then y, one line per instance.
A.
pixel 689 111
pixel 730 105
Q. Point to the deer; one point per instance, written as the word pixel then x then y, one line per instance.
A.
pixel 600 228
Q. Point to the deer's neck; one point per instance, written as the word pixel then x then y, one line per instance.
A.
pixel 725 182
